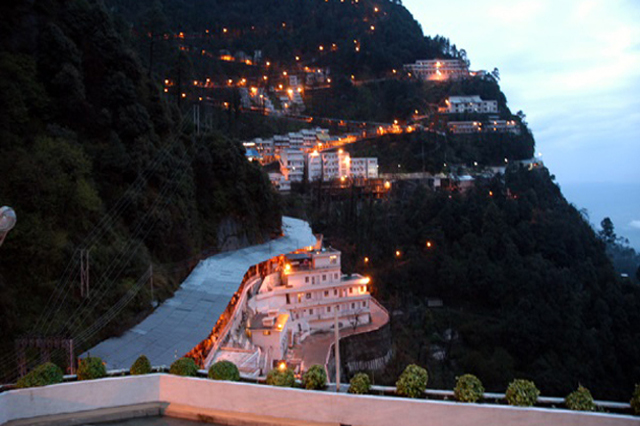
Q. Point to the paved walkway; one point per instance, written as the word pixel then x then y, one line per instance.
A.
pixel 315 348
pixel 183 321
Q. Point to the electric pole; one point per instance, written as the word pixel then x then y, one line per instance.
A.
pixel 84 273
pixel 336 346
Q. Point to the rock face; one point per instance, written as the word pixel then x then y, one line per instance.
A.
pixel 369 351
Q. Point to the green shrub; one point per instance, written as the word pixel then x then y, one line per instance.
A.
pixel 360 384
pixel 412 382
pixel 91 368
pixel 184 367
pixel 314 378
pixel 140 366
pixel 468 388
pixel 284 378
pixel 635 400
pixel 522 393
pixel 580 400
pixel 43 375
pixel 224 370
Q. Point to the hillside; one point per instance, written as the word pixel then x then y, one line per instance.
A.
pixel 527 288
pixel 93 158
pixel 94 129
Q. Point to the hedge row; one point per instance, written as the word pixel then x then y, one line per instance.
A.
pixel 412 383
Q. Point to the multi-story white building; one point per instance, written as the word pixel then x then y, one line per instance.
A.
pixel 338 164
pixel 493 126
pixel 438 69
pixel 468 104
pixel 312 290
pixel 365 167
pixel 292 164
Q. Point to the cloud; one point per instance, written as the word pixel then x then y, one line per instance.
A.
pixel 635 224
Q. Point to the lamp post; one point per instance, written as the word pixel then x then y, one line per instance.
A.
pixel 7 222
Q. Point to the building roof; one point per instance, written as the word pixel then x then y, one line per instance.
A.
pixel 183 321
pixel 465 99
pixel 264 321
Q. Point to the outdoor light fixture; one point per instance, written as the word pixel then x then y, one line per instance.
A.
pixel 7 221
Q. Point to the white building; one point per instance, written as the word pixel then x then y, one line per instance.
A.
pixel 333 165
pixel 312 290
pixel 468 104
pixel 270 331
pixel 279 182
pixel 292 164
pixel 438 69
pixel 493 126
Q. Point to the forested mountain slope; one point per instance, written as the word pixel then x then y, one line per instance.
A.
pixel 92 157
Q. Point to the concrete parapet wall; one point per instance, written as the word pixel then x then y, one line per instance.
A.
pixel 198 398
pixel 77 397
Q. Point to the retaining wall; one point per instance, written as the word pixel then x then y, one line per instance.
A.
pixel 203 399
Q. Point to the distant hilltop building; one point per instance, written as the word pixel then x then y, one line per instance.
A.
pixel 491 126
pixel 468 104
pixel 325 166
pixel 329 166
pixel 438 69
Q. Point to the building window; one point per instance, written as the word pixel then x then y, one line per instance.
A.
pixel 306 280
pixel 313 280
pixel 310 311
pixel 288 299
pixel 335 292
pixel 337 307
pixel 308 295
pixel 326 293
pixel 333 259
pixel 350 290
pixel 364 303
pixel 353 306
pixel 335 276
pixel 328 308
pixel 267 332
pixel 324 277
pixel 299 297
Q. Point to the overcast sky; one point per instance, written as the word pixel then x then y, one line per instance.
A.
pixel 573 66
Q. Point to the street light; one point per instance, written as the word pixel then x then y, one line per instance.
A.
pixel 7 221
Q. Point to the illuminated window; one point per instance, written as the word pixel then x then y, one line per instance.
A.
pixel 267 332
pixel 333 259
pixel 299 297
pixel 350 290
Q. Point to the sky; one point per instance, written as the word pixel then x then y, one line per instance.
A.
pixel 572 66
